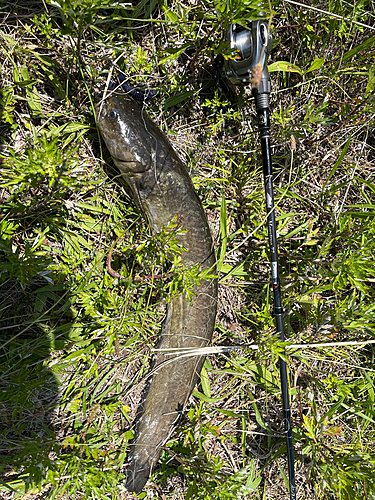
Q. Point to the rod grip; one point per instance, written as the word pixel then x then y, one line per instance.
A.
pixel 262 92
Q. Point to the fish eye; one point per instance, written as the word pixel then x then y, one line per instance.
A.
pixel 112 114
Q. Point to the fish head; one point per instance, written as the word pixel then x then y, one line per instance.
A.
pixel 124 128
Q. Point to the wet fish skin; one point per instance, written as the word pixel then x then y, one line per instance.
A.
pixel 163 189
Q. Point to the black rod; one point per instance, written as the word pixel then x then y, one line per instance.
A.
pixel 261 95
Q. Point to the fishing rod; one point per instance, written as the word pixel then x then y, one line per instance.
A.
pixel 252 45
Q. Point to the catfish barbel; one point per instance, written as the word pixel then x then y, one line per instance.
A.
pixel 163 190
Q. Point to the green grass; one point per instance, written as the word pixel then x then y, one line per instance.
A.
pixel 76 342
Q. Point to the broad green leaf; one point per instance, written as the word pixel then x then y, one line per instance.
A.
pixel 132 340
pixel 264 377
pixel 285 66
pixel 176 99
pixel 229 413
pixel 286 479
pixel 25 83
pixel 229 270
pixel 75 354
pixel 205 398
pixel 173 53
pixel 68 128
pixel 371 80
pixel 33 99
pixel 205 382
pixel 93 208
pixel 298 229
pixel 170 15
pixel 75 405
pixel 258 416
pixel 252 485
pixel 318 63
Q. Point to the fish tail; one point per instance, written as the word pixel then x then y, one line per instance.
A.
pixel 137 475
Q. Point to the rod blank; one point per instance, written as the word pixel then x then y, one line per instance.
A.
pixel 261 95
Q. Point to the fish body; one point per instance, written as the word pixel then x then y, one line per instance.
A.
pixel 163 189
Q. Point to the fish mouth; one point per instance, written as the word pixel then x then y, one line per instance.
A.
pixel 130 167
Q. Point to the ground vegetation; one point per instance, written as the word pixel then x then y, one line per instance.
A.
pixel 80 311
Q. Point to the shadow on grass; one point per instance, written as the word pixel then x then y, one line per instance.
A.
pixel 34 321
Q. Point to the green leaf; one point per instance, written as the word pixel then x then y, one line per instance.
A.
pixel 252 485
pixel 93 208
pixel 229 270
pixel 205 382
pixel 229 413
pixel 223 233
pixel 75 405
pixel 67 128
pixel 318 63
pixel 360 215
pixel 371 81
pixel 284 66
pixel 258 416
pixel 76 354
pixel 339 160
pixel 368 43
pixel 358 413
pixel 176 99
pixel 170 15
pixel 204 398
pixel 286 479
pixel 25 83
